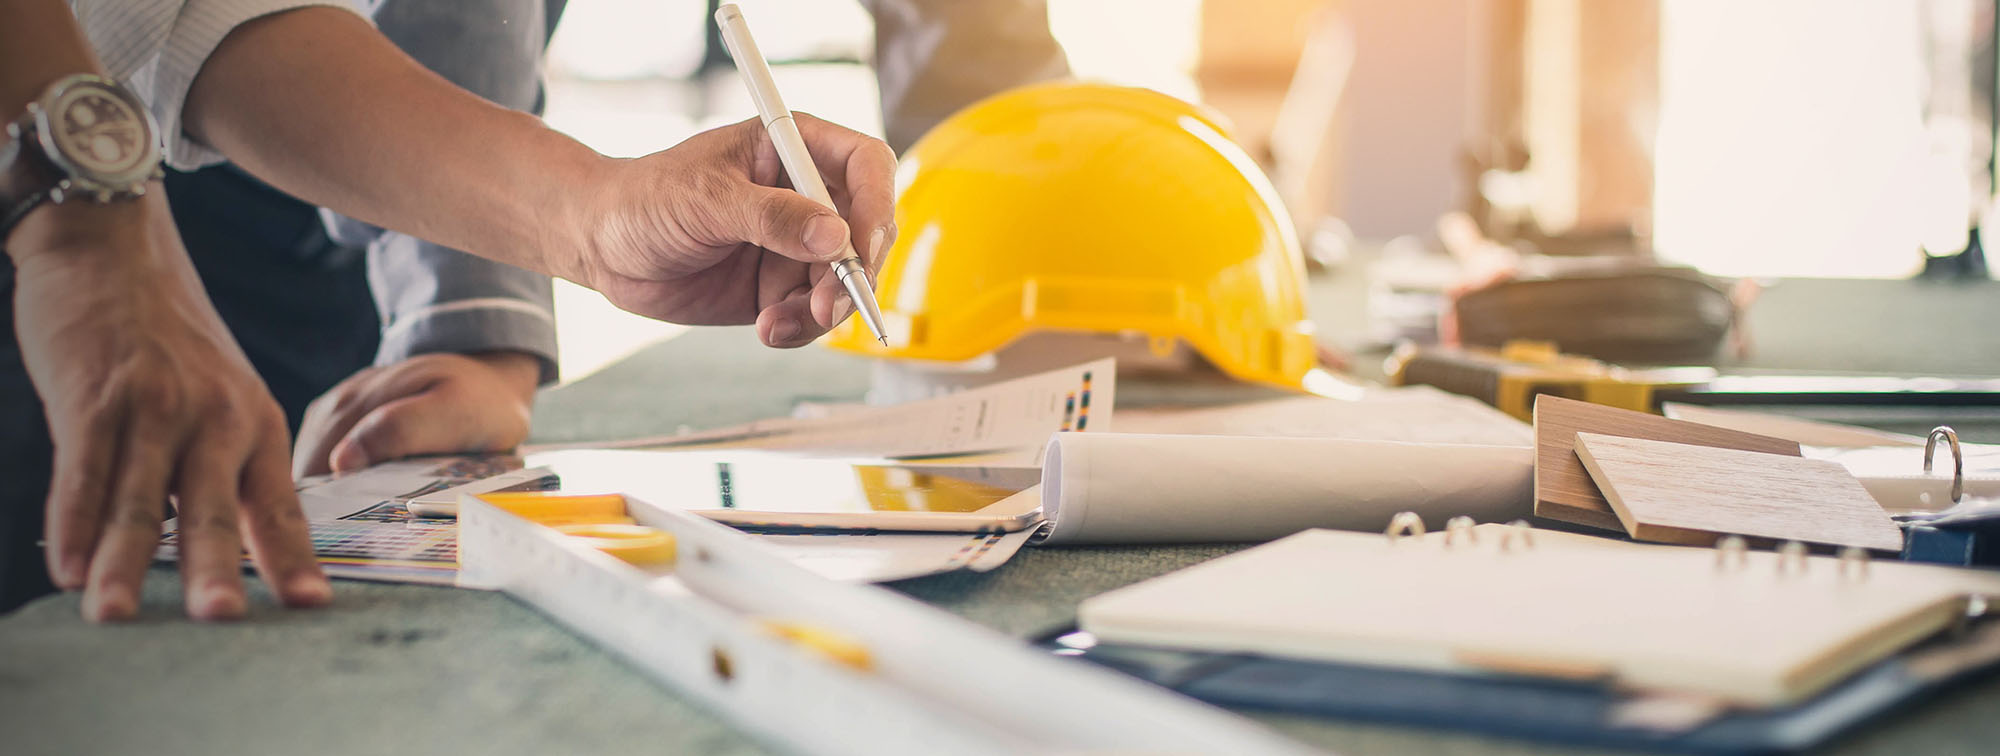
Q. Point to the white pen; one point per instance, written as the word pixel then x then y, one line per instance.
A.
pixel 792 152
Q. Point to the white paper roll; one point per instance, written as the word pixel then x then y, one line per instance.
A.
pixel 1138 488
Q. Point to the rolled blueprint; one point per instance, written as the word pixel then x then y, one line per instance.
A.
pixel 1139 488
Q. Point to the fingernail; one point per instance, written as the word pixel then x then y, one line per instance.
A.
pixel 308 590
pixel 348 458
pixel 824 234
pixel 217 602
pixel 843 306
pixel 875 245
pixel 109 604
pixel 73 570
pixel 784 330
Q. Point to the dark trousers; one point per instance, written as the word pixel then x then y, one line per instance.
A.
pixel 298 304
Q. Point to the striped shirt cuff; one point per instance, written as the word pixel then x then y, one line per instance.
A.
pixel 487 324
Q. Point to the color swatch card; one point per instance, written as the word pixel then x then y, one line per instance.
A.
pixel 361 524
pixel 1663 490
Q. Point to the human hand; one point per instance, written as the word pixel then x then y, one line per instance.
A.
pixel 705 233
pixel 148 397
pixel 428 404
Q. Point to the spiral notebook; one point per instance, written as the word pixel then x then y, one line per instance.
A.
pixel 1741 627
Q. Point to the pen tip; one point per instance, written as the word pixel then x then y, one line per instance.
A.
pixel 883 339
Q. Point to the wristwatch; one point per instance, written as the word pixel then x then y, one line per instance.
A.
pixel 86 137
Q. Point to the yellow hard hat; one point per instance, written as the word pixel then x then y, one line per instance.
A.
pixel 1094 208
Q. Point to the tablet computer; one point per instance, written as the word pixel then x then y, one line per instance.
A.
pixel 779 491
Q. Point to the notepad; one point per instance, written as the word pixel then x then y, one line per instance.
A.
pixel 1746 628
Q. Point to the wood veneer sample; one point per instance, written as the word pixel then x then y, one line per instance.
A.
pixel 1657 486
pixel 1564 490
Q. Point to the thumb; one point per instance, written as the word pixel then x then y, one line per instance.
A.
pixel 785 222
pixel 402 428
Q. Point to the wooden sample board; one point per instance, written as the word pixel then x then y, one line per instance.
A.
pixel 1563 488
pixel 1661 489
pixel 1656 618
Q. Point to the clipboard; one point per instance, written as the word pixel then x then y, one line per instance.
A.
pixel 1553 711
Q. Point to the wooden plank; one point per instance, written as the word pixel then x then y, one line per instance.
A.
pixel 1564 490
pixel 1661 485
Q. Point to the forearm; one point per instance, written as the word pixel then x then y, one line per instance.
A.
pixel 369 132
pixel 435 299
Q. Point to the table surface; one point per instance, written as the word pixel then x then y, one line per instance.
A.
pixel 408 669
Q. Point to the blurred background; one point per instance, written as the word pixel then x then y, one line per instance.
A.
pixel 1794 138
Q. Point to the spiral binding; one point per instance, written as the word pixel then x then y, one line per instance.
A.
pixel 1732 552
pixel 1457 528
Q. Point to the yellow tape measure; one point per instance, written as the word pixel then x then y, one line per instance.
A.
pixel 599 521
pixel 637 544
pixel 1510 378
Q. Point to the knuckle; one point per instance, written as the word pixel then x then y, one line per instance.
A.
pixel 73 521
pixel 272 513
pixel 342 398
pixel 881 150
pixel 265 409
pixel 382 432
pixel 233 419
pixel 136 514
pixel 216 523
pixel 156 397
pixel 349 391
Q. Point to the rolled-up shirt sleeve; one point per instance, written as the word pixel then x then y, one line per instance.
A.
pixel 156 47
pixel 437 299
pixel 433 298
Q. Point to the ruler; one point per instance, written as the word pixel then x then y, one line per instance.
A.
pixel 815 666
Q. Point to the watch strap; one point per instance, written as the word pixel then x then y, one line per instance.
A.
pixel 18 211
pixel 21 190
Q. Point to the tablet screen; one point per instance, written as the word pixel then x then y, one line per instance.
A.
pixel 753 482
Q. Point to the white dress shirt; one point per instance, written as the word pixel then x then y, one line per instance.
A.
pixel 156 47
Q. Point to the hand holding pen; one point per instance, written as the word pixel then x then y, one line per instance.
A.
pixel 796 156
pixel 719 242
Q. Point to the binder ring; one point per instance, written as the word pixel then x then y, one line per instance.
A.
pixel 1854 559
pixel 1405 523
pixel 1957 458
pixel 1791 553
pixel 1517 529
pixel 1732 551
pixel 1456 526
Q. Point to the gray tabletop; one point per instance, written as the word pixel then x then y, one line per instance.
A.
pixel 409 669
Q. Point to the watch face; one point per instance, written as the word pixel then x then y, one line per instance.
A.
pixel 100 133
